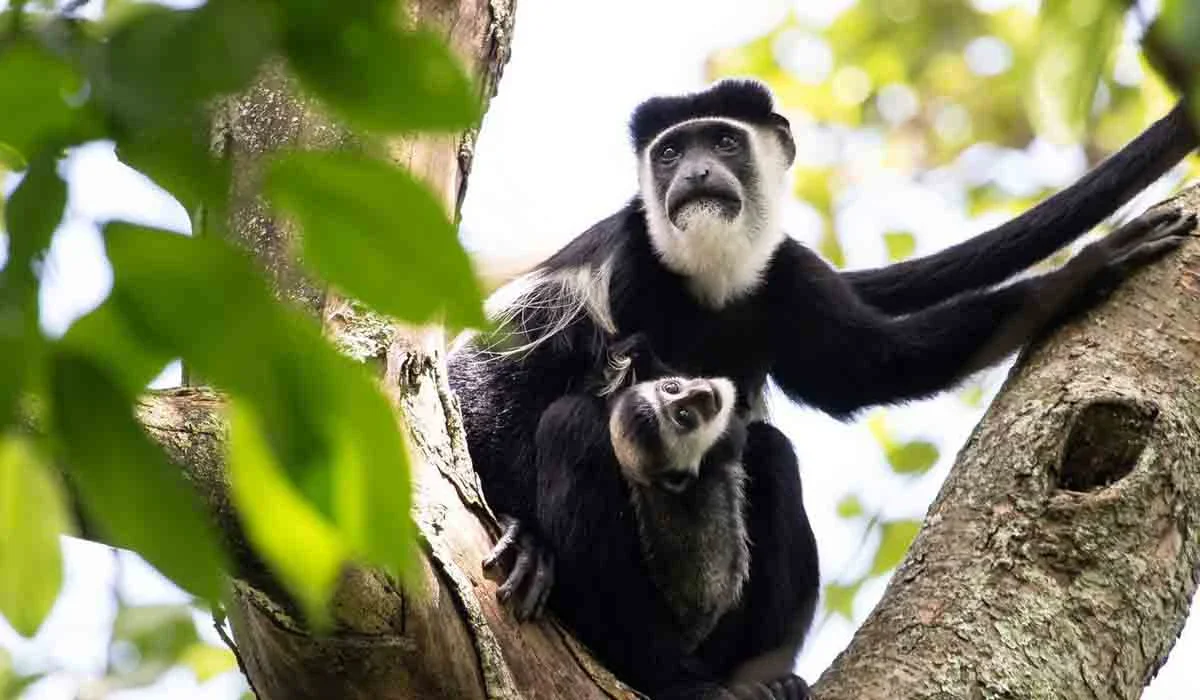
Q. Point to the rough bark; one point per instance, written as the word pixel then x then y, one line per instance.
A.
pixel 1060 557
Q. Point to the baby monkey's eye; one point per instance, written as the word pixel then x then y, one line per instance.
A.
pixel 671 387
pixel 668 154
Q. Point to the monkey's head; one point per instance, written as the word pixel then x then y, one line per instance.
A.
pixel 711 168
pixel 661 430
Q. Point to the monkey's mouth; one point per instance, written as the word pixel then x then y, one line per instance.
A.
pixel 703 201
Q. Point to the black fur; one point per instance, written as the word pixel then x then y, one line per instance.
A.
pixel 743 100
pixel 835 341
pixel 996 255
pixel 604 590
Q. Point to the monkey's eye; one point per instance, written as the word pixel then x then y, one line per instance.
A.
pixel 671 387
pixel 668 155
pixel 728 144
pixel 683 415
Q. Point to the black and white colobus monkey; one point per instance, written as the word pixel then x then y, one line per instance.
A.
pixel 699 264
pixel 660 530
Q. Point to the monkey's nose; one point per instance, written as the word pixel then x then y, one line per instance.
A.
pixel 699 174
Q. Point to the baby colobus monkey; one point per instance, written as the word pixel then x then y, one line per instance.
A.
pixel 679 448
pixel 645 503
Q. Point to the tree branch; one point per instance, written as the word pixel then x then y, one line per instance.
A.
pixel 1061 556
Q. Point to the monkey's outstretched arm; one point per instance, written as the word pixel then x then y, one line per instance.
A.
pixel 996 255
pixel 836 353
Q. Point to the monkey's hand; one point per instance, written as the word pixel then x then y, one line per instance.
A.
pixel 530 565
pixel 1139 242
pixel 1097 270
pixel 789 687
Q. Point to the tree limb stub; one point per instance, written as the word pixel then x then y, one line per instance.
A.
pixel 1061 556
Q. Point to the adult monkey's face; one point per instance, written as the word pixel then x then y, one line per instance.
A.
pixel 711 170
pixel 702 171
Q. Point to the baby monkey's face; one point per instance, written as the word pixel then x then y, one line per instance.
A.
pixel 661 429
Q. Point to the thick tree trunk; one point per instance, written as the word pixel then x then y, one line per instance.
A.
pixel 1060 557
pixel 450 639
pixel 1027 582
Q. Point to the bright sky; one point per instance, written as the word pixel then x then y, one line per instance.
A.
pixel 552 159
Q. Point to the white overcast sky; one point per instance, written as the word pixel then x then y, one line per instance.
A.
pixel 553 158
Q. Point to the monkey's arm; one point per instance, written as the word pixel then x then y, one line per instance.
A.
pixel 996 255
pixel 835 352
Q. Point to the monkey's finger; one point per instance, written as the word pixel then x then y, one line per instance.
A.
pixel 1176 228
pixel 539 585
pixel 792 687
pixel 752 691
pixel 520 571
pixel 529 596
pixel 1150 251
pixel 511 531
pixel 543 583
pixel 1147 222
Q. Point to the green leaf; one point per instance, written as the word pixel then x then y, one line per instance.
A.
pixel 11 159
pixel 34 210
pixel 916 457
pixel 179 160
pixel 106 336
pixel 379 234
pixel 37 92
pixel 13 684
pixel 381 79
pixel 161 634
pixel 309 553
pixel 327 426
pixel 877 425
pixel 19 346
pixel 900 245
pixel 31 215
pixel 1179 24
pixel 972 395
pixel 839 599
pixel 849 507
pixel 33 513
pixel 127 487
pixel 149 640
pixel 208 661
pixel 165 63
pixel 1077 39
pixel 896 536
pixel 831 247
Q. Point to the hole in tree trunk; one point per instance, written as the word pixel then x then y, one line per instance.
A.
pixel 1104 445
